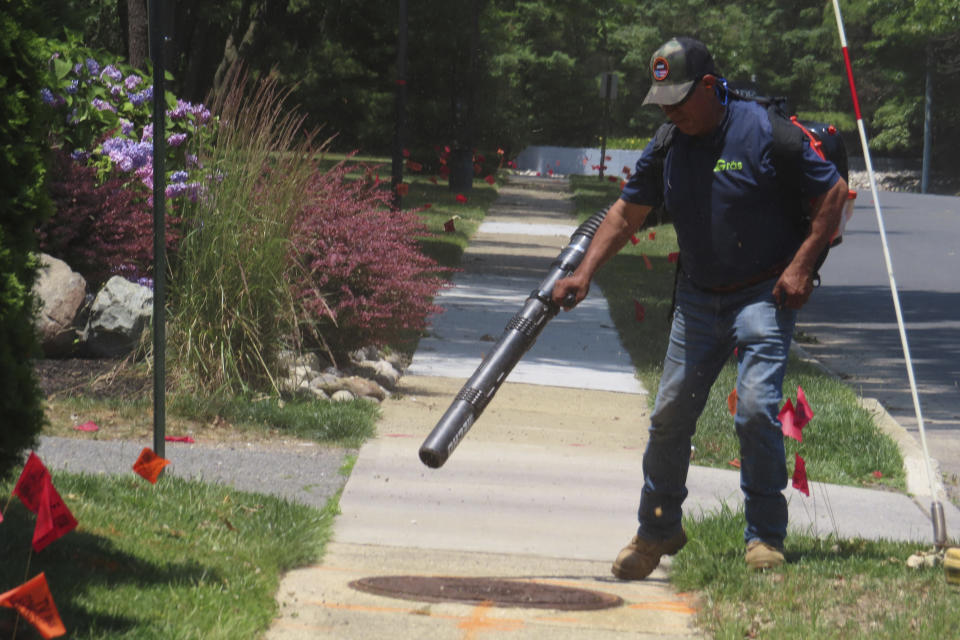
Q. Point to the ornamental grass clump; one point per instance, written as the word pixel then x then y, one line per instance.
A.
pixel 230 300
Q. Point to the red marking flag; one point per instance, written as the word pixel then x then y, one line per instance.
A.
pixel 634 239
pixel 673 256
pixel 54 519
pixel 638 311
pixel 149 465
pixel 652 235
pixel 803 411
pixel 646 261
pixel 87 426
pixel 788 423
pixel 186 439
pixel 490 180
pixel 29 486
pixel 448 226
pixel 800 476
pixel 732 402
pixel 462 199
pixel 33 601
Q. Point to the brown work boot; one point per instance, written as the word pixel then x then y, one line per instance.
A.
pixel 761 555
pixel 639 558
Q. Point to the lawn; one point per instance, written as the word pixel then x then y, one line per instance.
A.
pixel 179 559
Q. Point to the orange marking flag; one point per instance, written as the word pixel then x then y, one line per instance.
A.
pixel 33 601
pixel 54 519
pixel 149 465
pixel 732 402
pixel 29 486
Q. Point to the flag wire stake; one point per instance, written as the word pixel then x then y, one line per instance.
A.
pixel 936 508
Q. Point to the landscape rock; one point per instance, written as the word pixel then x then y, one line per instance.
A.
pixel 60 292
pixel 342 396
pixel 118 317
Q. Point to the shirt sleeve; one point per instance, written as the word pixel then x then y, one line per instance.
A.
pixel 819 175
pixel 645 184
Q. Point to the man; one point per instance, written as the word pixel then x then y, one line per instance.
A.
pixel 747 267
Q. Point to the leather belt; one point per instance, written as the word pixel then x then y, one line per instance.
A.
pixel 772 272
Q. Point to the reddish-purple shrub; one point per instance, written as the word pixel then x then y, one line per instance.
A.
pixel 100 231
pixel 368 282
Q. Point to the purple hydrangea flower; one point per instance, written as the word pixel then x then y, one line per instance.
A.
pixel 79 155
pixel 132 82
pixel 181 110
pixel 116 90
pixel 47 96
pixel 111 72
pixel 93 67
pixel 101 105
pixel 179 176
pixel 176 139
pixel 147 133
pixel 127 154
pixel 72 87
pixel 126 127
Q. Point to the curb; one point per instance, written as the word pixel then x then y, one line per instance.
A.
pixel 918 480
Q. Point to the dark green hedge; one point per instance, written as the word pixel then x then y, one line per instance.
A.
pixel 23 204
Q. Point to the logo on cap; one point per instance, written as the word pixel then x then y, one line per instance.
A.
pixel 661 69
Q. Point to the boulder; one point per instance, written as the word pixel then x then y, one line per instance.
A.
pixel 118 317
pixel 60 292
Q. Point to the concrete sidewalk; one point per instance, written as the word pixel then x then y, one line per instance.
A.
pixel 544 488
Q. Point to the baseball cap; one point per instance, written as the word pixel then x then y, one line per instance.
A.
pixel 675 67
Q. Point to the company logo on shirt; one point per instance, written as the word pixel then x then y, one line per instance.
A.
pixel 728 165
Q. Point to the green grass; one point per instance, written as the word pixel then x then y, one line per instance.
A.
pixel 829 588
pixel 179 559
pixel 841 445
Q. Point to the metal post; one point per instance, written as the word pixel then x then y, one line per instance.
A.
pixel 159 229
pixel 607 89
pixel 927 124
pixel 400 105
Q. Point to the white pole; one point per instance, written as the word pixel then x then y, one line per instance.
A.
pixel 886 250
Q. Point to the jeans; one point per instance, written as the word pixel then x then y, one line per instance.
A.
pixel 706 329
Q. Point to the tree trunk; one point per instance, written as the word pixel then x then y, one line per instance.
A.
pixel 138 33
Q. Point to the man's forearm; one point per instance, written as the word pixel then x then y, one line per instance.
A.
pixel 622 221
pixel 824 222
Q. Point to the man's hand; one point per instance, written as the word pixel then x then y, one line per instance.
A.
pixel 793 288
pixel 570 291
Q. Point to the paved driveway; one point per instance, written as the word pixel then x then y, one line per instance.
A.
pixel 853 320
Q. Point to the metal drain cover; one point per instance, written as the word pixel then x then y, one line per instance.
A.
pixel 491 591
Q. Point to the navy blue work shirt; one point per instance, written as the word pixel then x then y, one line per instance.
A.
pixel 722 192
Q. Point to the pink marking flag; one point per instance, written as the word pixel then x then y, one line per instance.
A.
pixel 788 423
pixel 90 425
pixel 800 476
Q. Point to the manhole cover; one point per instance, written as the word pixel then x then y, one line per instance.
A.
pixel 495 592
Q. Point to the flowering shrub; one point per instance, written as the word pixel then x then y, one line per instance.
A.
pixel 106 119
pixel 100 230
pixel 367 281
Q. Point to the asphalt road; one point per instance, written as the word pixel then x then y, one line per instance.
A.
pixel 853 320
